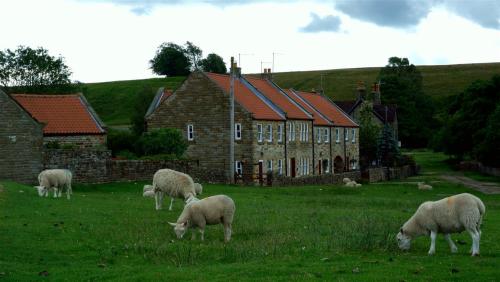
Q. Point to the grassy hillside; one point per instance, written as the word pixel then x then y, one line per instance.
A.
pixel 114 101
pixel 439 81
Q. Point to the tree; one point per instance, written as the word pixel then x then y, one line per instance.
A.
pixel 402 86
pixel 194 54
pixel 167 141
pixel 170 60
pixel 368 136
pixel 141 106
pixel 488 151
pixel 213 63
pixel 387 148
pixel 33 70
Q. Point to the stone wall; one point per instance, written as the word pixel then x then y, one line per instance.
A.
pixel 80 141
pixel 479 167
pixel 389 173
pixel 315 179
pixel 20 143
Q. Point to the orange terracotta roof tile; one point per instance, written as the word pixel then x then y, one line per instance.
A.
pixel 246 98
pixel 328 108
pixel 62 114
pixel 293 111
pixel 318 118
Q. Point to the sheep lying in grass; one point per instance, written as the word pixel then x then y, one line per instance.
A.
pixel 217 209
pixel 148 191
pixel 352 183
pixel 422 186
pixel 173 183
pixel 55 179
pixel 346 180
pixel 449 215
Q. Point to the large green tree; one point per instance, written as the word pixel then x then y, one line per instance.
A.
pixel 170 60
pixel 387 148
pixel 369 133
pixel 31 70
pixel 194 54
pixel 402 86
pixel 141 105
pixel 213 63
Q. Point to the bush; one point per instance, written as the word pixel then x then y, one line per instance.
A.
pixel 121 140
pixel 53 145
pixel 161 141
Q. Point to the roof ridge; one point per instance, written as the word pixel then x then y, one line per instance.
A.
pixel 289 98
pixel 263 97
pixel 312 107
pixel 339 108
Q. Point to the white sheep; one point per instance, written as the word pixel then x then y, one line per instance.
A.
pixel 346 180
pixel 55 179
pixel 173 183
pixel 422 186
pixel 217 209
pixel 198 188
pixel 453 214
pixel 353 183
pixel 148 191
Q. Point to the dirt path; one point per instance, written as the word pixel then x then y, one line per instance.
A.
pixel 484 187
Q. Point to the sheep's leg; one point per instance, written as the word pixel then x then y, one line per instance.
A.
pixel 202 232
pixel 157 200
pixel 432 250
pixel 227 232
pixel 69 191
pixel 193 234
pixel 60 193
pixel 55 192
pixel 171 203
pixel 475 242
pixel 453 247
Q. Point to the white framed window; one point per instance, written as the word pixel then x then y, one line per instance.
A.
pixel 280 133
pixel 190 132
pixel 237 131
pixel 354 164
pixel 280 166
pixel 290 132
pixel 238 167
pixel 259 132
pixel 307 132
pixel 318 134
pixel 337 135
pixel 346 134
pixel 326 164
pixel 301 134
pixel 353 134
pixel 288 171
pixel 269 133
pixel 326 137
pixel 270 165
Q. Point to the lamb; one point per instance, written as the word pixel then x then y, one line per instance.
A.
pixel 422 186
pixel 217 209
pixel 198 188
pixel 352 183
pixel 173 183
pixel 148 191
pixel 55 179
pixel 346 180
pixel 453 214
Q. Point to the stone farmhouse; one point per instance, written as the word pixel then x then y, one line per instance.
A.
pixel 275 130
pixel 21 137
pixel 381 114
pixel 69 119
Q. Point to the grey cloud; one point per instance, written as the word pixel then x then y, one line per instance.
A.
pixel 486 13
pixel 328 23
pixel 391 13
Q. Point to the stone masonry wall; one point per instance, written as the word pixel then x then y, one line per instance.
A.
pixel 80 141
pixel 299 149
pixel 20 143
pixel 316 179
pixel 268 150
pixel 322 149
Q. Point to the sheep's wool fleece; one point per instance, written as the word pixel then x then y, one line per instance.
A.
pixel 211 208
pixel 449 215
pixel 54 178
pixel 173 183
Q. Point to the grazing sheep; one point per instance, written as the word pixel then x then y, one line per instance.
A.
pixel 55 179
pixel 217 209
pixel 173 183
pixel 198 188
pixel 422 186
pixel 449 215
pixel 148 191
pixel 346 180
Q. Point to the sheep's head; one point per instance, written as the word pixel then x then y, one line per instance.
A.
pixel 41 190
pixel 404 240
pixel 179 228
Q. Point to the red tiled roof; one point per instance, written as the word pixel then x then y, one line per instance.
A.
pixel 281 100
pixel 62 114
pixel 246 98
pixel 327 108
pixel 318 118
pixel 166 93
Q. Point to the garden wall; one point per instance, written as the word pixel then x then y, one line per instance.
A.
pixel 314 179
pixel 479 167
pixel 388 173
pixel 97 166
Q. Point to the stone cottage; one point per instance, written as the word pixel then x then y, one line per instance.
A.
pixel 21 140
pixel 274 131
pixel 69 119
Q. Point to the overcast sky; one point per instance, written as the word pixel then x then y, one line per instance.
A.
pixel 115 39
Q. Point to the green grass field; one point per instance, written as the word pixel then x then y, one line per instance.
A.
pixel 114 101
pixel 110 232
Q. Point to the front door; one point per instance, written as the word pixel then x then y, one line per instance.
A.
pixel 292 167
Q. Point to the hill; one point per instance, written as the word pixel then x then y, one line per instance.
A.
pixel 438 81
pixel 114 101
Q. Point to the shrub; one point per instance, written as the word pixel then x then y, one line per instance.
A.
pixel 162 141
pixel 53 145
pixel 121 140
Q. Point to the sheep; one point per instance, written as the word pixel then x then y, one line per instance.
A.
pixel 453 214
pixel 217 209
pixel 198 188
pixel 55 179
pixel 173 183
pixel 422 186
pixel 148 191
pixel 352 183
pixel 346 180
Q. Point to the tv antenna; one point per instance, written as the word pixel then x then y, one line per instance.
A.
pixel 261 63
pixel 242 54
pixel 276 54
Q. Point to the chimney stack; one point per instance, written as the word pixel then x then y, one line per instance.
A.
pixel 361 90
pixel 266 74
pixel 376 94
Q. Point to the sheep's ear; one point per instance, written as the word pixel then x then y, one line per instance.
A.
pixel 401 230
pixel 185 223
pixel 173 224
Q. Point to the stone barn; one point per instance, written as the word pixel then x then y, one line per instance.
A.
pixel 21 141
